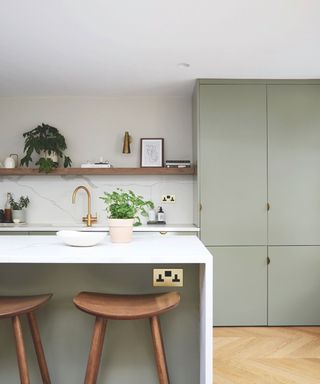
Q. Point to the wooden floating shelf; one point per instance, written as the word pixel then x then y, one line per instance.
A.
pixel 96 171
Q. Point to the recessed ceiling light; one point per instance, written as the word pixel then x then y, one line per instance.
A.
pixel 184 65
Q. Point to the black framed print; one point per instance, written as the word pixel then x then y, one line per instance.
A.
pixel 151 152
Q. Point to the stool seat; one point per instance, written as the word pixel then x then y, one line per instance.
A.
pixel 17 305
pixel 126 307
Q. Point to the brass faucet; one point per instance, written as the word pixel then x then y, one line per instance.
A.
pixel 89 219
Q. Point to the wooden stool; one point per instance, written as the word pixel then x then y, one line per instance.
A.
pixel 13 307
pixel 125 307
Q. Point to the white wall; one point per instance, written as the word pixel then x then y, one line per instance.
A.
pixel 94 127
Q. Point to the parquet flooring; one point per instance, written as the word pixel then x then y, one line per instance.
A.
pixel 266 355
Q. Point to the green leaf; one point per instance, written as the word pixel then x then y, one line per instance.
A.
pixel 44 138
pixel 126 205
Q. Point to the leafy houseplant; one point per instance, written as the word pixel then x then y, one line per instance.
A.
pixel 47 142
pixel 18 214
pixel 123 210
pixel 23 202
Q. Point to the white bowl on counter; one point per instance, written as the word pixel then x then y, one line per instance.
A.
pixel 80 238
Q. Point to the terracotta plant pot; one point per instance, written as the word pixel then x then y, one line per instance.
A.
pixel 120 230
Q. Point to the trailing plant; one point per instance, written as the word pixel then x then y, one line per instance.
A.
pixel 45 140
pixel 126 205
pixel 23 202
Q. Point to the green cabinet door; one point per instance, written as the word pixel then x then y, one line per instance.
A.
pixel 239 286
pixel 294 164
pixel 233 169
pixel 294 285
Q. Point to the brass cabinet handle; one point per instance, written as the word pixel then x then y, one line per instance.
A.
pixel 163 232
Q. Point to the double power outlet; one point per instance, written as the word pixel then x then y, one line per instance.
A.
pixel 168 199
pixel 168 277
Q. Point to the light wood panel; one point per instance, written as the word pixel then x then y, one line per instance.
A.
pixel 97 171
pixel 274 355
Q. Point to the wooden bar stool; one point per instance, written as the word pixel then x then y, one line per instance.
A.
pixel 13 307
pixel 125 307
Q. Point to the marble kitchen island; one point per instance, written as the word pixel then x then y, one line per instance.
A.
pixel 36 264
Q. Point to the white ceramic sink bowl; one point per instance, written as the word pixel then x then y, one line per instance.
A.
pixel 80 238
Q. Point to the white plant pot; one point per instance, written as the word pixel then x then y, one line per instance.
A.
pixel 53 156
pixel 121 230
pixel 18 216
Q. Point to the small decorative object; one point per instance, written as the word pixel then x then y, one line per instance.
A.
pixel 8 210
pixel 10 162
pixel 178 163
pixel 123 210
pixel 161 216
pixel 100 164
pixel 18 211
pixel 47 142
pixel 152 152
pixel 152 216
pixel 156 217
pixel 126 143
pixel 80 238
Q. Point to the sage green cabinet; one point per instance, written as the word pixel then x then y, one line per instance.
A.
pixel 258 142
pixel 4 233
pixel 294 164
pixel 233 171
pixel 239 285
pixel 294 285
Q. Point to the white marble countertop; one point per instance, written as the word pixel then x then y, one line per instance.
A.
pixel 144 249
pixel 45 227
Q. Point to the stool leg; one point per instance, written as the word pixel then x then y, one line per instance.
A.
pixel 21 352
pixel 38 348
pixel 95 351
pixel 159 350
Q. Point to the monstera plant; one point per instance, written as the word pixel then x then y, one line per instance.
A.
pixel 49 144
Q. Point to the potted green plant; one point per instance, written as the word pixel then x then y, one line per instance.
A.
pixel 123 210
pixel 18 208
pixel 47 142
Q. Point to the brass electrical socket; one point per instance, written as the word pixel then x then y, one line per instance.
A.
pixel 168 199
pixel 168 277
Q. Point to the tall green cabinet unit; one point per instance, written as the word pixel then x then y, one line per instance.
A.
pixel 294 195
pixel 257 192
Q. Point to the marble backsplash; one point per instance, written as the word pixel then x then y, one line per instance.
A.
pixel 50 196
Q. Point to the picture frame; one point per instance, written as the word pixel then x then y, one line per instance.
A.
pixel 151 152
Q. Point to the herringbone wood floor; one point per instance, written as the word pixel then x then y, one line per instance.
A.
pixel 281 355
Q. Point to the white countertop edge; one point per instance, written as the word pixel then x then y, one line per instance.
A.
pixel 142 250
pixel 96 228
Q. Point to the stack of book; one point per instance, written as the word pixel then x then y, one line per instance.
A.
pixel 178 163
pixel 104 164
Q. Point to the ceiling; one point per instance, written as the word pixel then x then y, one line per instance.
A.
pixel 126 47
